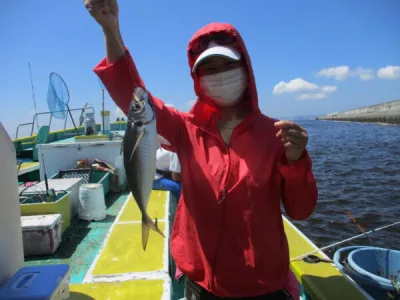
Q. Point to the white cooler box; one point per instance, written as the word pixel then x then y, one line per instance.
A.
pixel 41 234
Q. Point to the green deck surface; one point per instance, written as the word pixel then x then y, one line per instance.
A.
pixel 81 242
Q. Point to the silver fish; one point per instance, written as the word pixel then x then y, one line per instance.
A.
pixel 139 151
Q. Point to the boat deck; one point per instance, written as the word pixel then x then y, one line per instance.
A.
pixel 27 167
pixel 106 258
pixel 318 280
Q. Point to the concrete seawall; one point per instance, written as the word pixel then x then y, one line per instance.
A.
pixel 388 112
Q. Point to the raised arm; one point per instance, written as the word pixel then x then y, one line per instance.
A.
pixel 300 192
pixel 119 74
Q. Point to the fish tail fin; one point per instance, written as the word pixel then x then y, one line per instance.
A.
pixel 145 235
pixel 147 224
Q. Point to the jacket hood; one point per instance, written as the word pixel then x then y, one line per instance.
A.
pixel 204 110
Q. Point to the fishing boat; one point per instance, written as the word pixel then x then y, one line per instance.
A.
pixel 103 255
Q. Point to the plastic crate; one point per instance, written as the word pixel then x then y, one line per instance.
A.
pixel 87 175
pixel 74 173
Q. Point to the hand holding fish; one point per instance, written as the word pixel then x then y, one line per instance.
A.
pixel 105 12
pixel 293 137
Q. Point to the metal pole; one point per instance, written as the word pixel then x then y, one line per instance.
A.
pixel 33 94
pixel 103 131
pixel 73 122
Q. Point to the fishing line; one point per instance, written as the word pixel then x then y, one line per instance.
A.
pixel 345 240
pixel 357 223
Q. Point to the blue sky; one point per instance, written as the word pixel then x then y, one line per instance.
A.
pixel 309 57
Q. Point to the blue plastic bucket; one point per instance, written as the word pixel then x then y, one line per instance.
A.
pixel 368 285
pixel 339 252
pixel 377 264
pixel 360 279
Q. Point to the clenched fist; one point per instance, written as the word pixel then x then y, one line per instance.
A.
pixel 105 12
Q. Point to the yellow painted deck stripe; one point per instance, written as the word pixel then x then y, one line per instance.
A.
pixel 156 208
pixel 122 259
pixel 124 254
pixel 133 289
pixel 323 279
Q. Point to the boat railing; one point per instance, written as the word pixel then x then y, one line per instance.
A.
pixel 35 118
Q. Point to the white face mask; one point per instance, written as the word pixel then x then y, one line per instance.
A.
pixel 225 88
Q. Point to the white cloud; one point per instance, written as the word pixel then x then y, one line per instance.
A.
pixel 308 96
pixel 389 72
pixel 339 73
pixel 307 89
pixel 342 72
pixel 329 88
pixel 364 74
pixel 295 85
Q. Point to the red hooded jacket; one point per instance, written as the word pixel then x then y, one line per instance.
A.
pixel 228 233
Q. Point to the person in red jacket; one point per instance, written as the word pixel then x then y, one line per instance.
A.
pixel 237 165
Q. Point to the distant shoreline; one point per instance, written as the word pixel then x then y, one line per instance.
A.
pixel 385 113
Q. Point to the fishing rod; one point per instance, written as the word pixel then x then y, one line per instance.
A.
pixel 33 96
pixel 38 127
pixel 346 240
pixel 46 182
